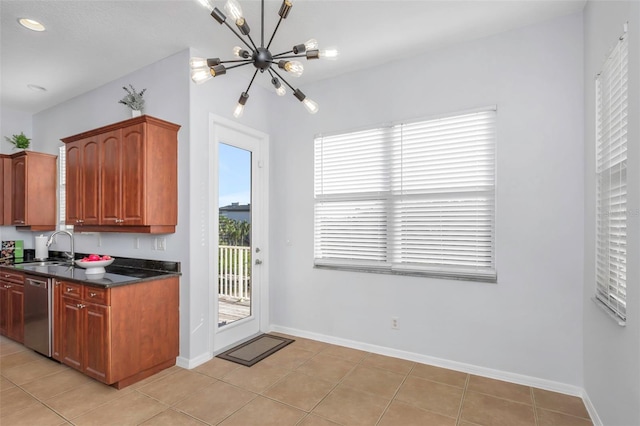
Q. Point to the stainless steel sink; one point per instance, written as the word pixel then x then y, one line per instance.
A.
pixel 46 263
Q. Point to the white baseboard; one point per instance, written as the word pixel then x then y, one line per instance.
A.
pixel 190 363
pixel 520 379
pixel 591 409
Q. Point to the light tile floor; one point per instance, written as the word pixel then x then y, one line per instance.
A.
pixel 308 383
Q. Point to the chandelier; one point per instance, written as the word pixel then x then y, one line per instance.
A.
pixel 261 57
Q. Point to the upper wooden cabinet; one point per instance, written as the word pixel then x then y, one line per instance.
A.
pixel 82 184
pixel 33 191
pixel 123 177
pixel 5 189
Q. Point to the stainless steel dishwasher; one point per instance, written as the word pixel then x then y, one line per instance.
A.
pixel 38 314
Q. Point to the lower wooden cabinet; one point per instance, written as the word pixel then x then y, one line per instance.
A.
pixel 12 305
pixel 118 335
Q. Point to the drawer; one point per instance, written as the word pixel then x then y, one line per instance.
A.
pixel 13 277
pixel 96 295
pixel 72 290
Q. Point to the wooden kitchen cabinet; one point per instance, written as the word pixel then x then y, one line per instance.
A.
pixel 137 177
pixel 84 331
pixel 117 335
pixel 83 182
pixel 33 183
pixel 12 305
pixel 5 190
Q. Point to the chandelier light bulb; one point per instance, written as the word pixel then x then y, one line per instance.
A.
pixel 208 4
pixel 233 8
pixel 295 68
pixel 331 54
pixel 280 89
pixel 196 62
pixel 239 110
pixel 311 44
pixel 236 51
pixel 310 105
pixel 200 75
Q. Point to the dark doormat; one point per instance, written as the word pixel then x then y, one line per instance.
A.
pixel 256 349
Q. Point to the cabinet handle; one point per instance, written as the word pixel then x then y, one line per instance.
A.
pixel 80 306
pixel 7 286
pixel 93 294
pixel 69 289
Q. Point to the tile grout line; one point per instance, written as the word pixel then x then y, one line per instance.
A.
pixel 535 406
pixel 395 393
pixel 464 393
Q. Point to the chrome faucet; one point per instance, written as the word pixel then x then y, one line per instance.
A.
pixel 71 255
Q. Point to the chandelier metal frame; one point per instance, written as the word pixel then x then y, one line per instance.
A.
pixel 260 56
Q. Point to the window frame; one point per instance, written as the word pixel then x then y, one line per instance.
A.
pixel 396 257
pixel 611 130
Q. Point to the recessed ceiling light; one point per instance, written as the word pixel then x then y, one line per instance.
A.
pixel 31 24
pixel 36 88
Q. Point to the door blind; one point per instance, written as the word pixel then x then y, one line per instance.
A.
pixel 611 182
pixel 414 198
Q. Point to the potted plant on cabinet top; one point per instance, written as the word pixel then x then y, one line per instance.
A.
pixel 133 100
pixel 19 141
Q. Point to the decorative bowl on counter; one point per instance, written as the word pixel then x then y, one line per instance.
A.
pixel 94 266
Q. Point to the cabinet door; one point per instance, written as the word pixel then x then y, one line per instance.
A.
pixel 73 207
pixel 71 333
pixel 96 342
pixel 19 190
pixel 15 328
pixel 133 174
pixel 4 307
pixel 6 187
pixel 110 181
pixel 91 181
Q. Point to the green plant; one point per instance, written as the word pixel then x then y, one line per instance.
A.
pixel 133 99
pixel 19 141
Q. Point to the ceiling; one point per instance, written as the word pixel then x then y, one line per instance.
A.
pixel 89 43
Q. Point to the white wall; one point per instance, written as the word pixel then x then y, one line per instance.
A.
pixel 530 322
pixel 12 122
pixel 611 352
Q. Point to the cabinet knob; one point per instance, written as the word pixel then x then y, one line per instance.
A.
pixel 7 286
pixel 93 294
pixel 80 306
pixel 69 289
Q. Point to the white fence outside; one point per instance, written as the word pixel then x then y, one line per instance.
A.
pixel 234 272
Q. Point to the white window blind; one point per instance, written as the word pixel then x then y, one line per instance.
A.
pixel 413 198
pixel 611 185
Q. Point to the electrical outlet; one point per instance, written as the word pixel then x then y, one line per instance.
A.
pixel 395 325
pixel 162 243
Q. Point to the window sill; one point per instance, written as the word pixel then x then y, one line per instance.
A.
pixel 492 279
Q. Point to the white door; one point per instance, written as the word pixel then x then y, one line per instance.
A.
pixel 239 221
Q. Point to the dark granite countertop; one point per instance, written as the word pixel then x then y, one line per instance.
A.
pixel 123 271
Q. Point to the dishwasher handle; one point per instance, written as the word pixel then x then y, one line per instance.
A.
pixel 36 283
